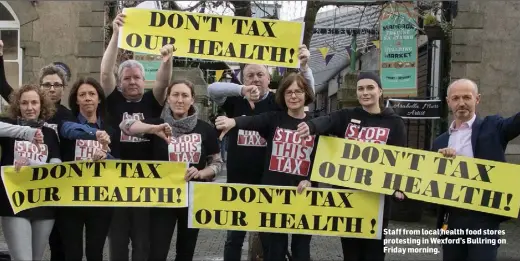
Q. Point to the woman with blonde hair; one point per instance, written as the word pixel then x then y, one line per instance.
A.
pixel 27 232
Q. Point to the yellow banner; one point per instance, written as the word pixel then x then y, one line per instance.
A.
pixel 462 182
pixel 317 211
pixel 212 37
pixel 111 183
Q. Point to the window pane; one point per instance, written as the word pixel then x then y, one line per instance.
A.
pixel 5 15
pixel 10 39
pixel 12 74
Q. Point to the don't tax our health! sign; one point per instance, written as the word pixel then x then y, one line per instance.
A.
pixel 213 37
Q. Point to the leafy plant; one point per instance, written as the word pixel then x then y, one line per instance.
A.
pixel 429 19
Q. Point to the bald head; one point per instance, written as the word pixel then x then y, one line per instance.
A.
pixel 463 83
pixel 462 99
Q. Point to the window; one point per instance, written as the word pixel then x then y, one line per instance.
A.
pixel 10 35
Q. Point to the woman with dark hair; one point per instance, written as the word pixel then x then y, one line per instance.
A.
pixel 87 102
pixel 27 232
pixel 178 135
pixel 278 128
pixel 370 122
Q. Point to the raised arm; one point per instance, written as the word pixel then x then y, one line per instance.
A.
pixel 5 88
pixel 305 70
pixel 510 127
pixel 108 62
pixel 164 74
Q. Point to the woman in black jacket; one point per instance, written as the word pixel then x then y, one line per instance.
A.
pixel 368 123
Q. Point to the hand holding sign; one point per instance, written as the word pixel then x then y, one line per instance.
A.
pixel 100 154
pixel 38 137
pixel 303 130
pixel 20 162
pixel 224 124
pixel 167 52
pixel 303 185
pixel 192 173
pixel 118 23
pixel 304 55
pixel 448 152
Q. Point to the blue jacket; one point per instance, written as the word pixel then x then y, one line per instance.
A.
pixel 489 139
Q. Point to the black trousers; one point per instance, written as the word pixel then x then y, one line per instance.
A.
pixel 276 247
pixel 56 244
pixel 162 226
pixel 95 220
pixel 360 249
pixel 129 224
pixel 472 252
pixel 234 243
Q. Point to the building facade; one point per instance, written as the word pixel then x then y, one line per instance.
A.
pixel 36 33
pixel 485 49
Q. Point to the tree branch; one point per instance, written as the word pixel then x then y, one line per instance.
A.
pixel 192 8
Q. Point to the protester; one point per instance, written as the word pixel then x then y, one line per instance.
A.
pixel 53 81
pixel 192 140
pixel 27 232
pixel 130 101
pixel 246 149
pixel 88 103
pixel 359 124
pixel 279 129
pixel 474 137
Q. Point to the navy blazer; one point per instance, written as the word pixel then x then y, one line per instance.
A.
pixel 489 139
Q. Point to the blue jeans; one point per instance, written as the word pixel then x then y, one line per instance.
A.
pixel 223 148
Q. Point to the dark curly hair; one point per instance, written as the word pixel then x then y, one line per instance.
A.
pixel 73 97
pixel 47 107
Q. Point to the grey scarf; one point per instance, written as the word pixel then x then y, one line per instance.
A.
pixel 182 126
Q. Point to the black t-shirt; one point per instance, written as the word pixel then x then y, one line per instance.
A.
pixel 13 149
pixel 193 147
pixel 133 148
pixel 246 149
pixel 75 150
pixel 288 158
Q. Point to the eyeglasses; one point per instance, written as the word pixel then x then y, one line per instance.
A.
pixel 297 92
pixel 48 85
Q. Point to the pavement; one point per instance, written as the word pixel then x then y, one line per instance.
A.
pixel 210 244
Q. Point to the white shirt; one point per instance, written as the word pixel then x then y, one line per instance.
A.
pixel 460 138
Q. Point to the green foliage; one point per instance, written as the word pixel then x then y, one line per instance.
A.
pixel 430 20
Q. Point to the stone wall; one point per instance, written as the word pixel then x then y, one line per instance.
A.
pixel 486 49
pixel 66 31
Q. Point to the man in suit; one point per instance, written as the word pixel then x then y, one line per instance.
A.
pixel 483 138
